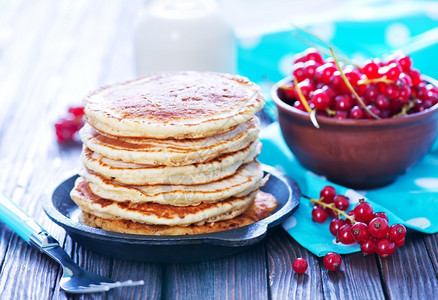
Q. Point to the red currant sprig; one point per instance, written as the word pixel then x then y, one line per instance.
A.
pixel 67 127
pixel 379 89
pixel 362 225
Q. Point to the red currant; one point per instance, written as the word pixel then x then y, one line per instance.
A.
pixel 371 70
pixel 313 54
pixel 341 202
pixel 394 71
pixel 309 69
pixel 385 247
pixel 77 111
pixel 382 102
pixel 374 110
pixel 360 232
pixel 298 71
pixel 327 194
pixel 335 224
pixel 356 113
pixel 415 76
pixel 381 214
pixel 406 79
pixel 399 243
pixel 343 102
pixel 319 215
pixel 368 246
pixel 320 99
pixel 345 236
pixel 378 227
pixel 371 93
pixel 299 265
pixel 338 83
pixel 306 88
pixel 324 73
pixel 397 232
pixel 332 261
pixel 405 63
pixel 341 115
pixel 363 212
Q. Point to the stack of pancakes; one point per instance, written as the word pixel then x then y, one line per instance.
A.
pixel 173 153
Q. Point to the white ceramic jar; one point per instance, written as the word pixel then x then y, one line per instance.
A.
pixel 174 35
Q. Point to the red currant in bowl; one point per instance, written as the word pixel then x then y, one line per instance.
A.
pixel 354 150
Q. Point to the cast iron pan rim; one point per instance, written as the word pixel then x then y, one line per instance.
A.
pixel 242 236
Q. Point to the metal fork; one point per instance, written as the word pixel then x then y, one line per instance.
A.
pixel 74 279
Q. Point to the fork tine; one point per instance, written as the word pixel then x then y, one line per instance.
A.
pixel 102 287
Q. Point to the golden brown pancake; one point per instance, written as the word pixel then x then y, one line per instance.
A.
pixel 174 105
pixel 262 206
pixel 170 152
pixel 247 178
pixel 158 214
pixel 136 174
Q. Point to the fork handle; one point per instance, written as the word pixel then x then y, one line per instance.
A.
pixel 23 225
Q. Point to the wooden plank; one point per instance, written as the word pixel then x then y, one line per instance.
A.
pixel 242 276
pixel 317 282
pixel 284 282
pixel 409 274
pixel 152 275
pixel 431 243
pixel 357 271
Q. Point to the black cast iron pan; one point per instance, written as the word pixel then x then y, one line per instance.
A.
pixel 188 248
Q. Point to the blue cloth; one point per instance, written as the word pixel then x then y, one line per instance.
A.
pixel 413 198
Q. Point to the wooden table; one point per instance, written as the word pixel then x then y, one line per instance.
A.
pixel 53 53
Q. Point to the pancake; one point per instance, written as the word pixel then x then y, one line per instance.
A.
pixel 135 174
pixel 247 178
pixel 174 105
pixel 170 152
pixel 158 214
pixel 261 207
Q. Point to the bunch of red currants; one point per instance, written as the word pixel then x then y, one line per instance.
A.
pixel 378 89
pixel 362 225
pixel 67 127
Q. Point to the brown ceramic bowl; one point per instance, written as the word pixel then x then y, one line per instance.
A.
pixel 359 154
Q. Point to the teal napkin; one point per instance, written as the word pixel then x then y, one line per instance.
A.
pixel 411 200
pixel 372 29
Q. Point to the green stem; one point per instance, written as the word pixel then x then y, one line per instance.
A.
pixel 332 207
pixel 381 79
pixel 405 109
pixel 350 87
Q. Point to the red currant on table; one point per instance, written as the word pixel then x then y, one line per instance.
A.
pixel 299 265
pixel 332 261
pixel 67 127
